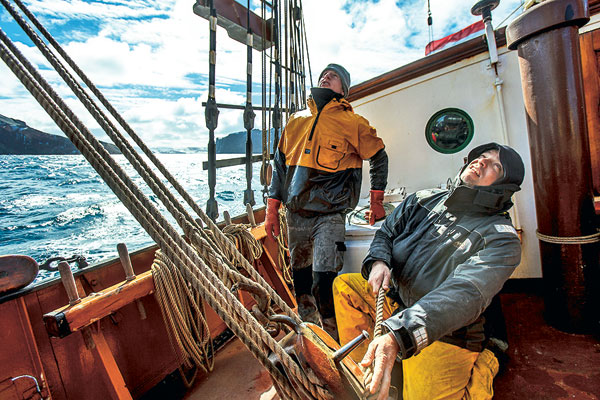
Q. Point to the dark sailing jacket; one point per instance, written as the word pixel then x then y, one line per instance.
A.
pixel 450 252
pixel 318 162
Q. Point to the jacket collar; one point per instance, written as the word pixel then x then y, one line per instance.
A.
pixel 341 104
pixel 480 199
pixel 494 199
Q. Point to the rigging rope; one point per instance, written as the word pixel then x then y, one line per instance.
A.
pixel 212 114
pixel 173 246
pixel 510 15
pixel 155 183
pixel 376 333
pixel 307 52
pixel 249 112
pixel 283 249
pixel 145 212
pixel 588 239
pixel 265 134
pixel 429 22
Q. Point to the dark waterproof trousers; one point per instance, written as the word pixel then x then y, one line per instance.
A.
pixel 316 252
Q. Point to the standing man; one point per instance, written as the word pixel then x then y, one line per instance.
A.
pixel 446 254
pixel 317 176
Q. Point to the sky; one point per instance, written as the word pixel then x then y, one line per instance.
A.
pixel 150 57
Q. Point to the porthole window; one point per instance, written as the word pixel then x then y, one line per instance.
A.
pixel 449 130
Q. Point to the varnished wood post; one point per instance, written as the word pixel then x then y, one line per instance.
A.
pixel 66 276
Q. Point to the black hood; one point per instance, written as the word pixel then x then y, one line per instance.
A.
pixel 492 199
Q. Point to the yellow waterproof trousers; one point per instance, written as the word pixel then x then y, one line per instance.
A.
pixel 440 371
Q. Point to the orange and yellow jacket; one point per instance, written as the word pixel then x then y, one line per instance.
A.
pixel 318 162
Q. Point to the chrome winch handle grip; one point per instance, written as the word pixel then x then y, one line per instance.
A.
pixel 340 354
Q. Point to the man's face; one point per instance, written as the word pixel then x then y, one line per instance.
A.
pixel 332 81
pixel 484 170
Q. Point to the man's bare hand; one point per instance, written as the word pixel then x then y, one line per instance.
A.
pixel 380 356
pixel 379 277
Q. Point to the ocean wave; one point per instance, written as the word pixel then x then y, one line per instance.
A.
pixel 79 215
pixel 226 195
pixel 58 206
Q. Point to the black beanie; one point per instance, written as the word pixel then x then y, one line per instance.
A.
pixel 342 73
pixel 512 164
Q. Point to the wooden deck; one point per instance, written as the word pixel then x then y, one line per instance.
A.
pixel 545 363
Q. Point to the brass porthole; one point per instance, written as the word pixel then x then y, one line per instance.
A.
pixel 449 130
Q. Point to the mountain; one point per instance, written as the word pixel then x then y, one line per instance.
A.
pixel 18 138
pixel 235 143
pixel 183 150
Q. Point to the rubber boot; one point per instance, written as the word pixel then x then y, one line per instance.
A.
pixel 495 330
pixel 307 309
pixel 307 305
pixel 330 326
pixel 322 291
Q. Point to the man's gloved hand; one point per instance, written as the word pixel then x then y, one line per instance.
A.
pixel 376 211
pixel 272 226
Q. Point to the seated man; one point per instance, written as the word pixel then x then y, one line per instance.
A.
pixel 445 254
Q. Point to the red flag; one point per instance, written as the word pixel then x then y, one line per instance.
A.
pixel 455 37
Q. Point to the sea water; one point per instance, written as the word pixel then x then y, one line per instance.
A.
pixel 58 206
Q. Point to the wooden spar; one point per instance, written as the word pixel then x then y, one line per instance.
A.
pixel 226 217
pixel 231 15
pixel 258 232
pixel 66 275
pixel 125 261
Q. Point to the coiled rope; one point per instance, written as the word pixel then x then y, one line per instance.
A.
pixel 244 241
pixel 183 310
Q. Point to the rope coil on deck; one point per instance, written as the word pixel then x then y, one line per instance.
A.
pixel 588 239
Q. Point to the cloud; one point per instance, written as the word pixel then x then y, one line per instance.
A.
pixel 150 58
